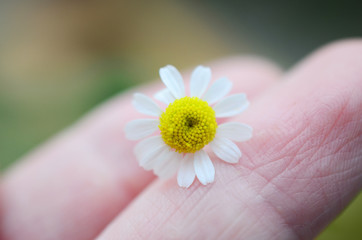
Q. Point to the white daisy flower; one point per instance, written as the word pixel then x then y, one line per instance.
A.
pixel 187 125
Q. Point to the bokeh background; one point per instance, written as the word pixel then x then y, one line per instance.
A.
pixel 60 58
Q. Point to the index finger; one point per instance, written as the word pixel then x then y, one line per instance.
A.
pixel 300 169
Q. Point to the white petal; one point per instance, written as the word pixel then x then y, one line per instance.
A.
pixel 165 96
pixel 141 128
pixel 147 151
pixel 168 163
pixel 186 172
pixel 235 131
pixel 146 105
pixel 172 78
pixel 231 106
pixel 218 90
pixel 153 159
pixel 200 79
pixel 204 168
pixel 226 150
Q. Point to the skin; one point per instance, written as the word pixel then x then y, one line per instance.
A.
pixel 302 167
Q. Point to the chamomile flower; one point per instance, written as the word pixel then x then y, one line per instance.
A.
pixel 187 126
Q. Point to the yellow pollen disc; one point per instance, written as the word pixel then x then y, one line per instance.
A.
pixel 188 124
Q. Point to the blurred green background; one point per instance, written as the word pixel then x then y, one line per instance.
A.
pixel 60 58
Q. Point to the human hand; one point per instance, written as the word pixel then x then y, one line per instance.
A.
pixel 298 172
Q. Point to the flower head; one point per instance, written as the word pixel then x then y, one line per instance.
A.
pixel 187 125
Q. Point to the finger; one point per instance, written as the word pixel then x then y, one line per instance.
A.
pixel 301 168
pixel 72 187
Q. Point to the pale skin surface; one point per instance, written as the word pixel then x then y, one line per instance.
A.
pixel 299 171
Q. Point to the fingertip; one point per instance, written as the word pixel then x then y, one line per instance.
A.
pixel 347 47
pixel 342 60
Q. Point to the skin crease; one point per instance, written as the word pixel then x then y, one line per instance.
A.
pixel 298 172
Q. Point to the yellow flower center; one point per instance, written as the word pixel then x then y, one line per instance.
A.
pixel 188 124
